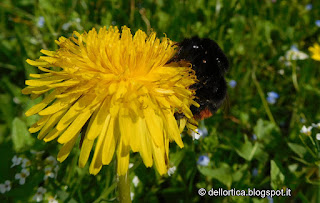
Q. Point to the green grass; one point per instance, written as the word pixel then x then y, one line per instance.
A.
pixel 253 34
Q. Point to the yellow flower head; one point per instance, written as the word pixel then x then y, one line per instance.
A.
pixel 315 51
pixel 121 86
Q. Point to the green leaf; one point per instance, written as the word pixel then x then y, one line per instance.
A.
pixel 246 150
pixel 277 177
pixel 238 174
pixel 21 137
pixel 265 131
pixel 298 149
pixel 177 157
pixel 222 174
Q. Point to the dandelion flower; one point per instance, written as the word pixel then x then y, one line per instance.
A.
pixel 315 51
pixel 122 87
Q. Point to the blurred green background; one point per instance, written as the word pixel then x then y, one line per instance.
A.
pixel 256 141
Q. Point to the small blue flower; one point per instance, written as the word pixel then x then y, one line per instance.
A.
pixel 203 160
pixel 272 97
pixel 271 100
pixel 294 48
pixel 270 199
pixel 203 131
pixel 308 7
pixel 66 26
pixel 232 83
pixel 318 23
pixel 254 172
pixel 254 137
pixel 40 22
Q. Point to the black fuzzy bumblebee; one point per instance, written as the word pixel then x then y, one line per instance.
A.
pixel 210 64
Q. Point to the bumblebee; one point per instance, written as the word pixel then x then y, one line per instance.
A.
pixel 210 65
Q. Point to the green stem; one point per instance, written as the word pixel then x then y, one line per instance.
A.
pixel 294 76
pixel 124 189
pixel 261 94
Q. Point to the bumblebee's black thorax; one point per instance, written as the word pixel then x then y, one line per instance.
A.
pixel 210 64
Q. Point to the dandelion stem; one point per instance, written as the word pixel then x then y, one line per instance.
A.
pixel 124 189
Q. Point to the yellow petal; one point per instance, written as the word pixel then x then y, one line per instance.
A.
pixel 53 120
pixel 98 120
pixel 145 139
pixel 85 151
pixel 60 104
pixel 38 125
pixel 47 100
pixel 46 81
pixel 74 111
pixel 96 163
pixel 47 52
pixel 66 149
pixel 172 129
pixel 155 126
pixel 123 153
pixel 52 135
pixel 110 141
pixel 37 63
pixel 160 159
pixel 75 127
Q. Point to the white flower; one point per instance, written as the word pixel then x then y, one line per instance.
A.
pixel 22 176
pixel 199 132
pixel 48 173
pixel 316 125
pixel 130 165
pixel 51 160
pixel 172 170
pixel 25 162
pixel 6 187
pixel 295 54
pixel 306 130
pixel 131 195
pixel 56 169
pixel 38 197
pixel 16 161
pixel 281 72
pixel 16 100
pixel 52 200
pixel 195 134
pixel 318 136
pixel 135 181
